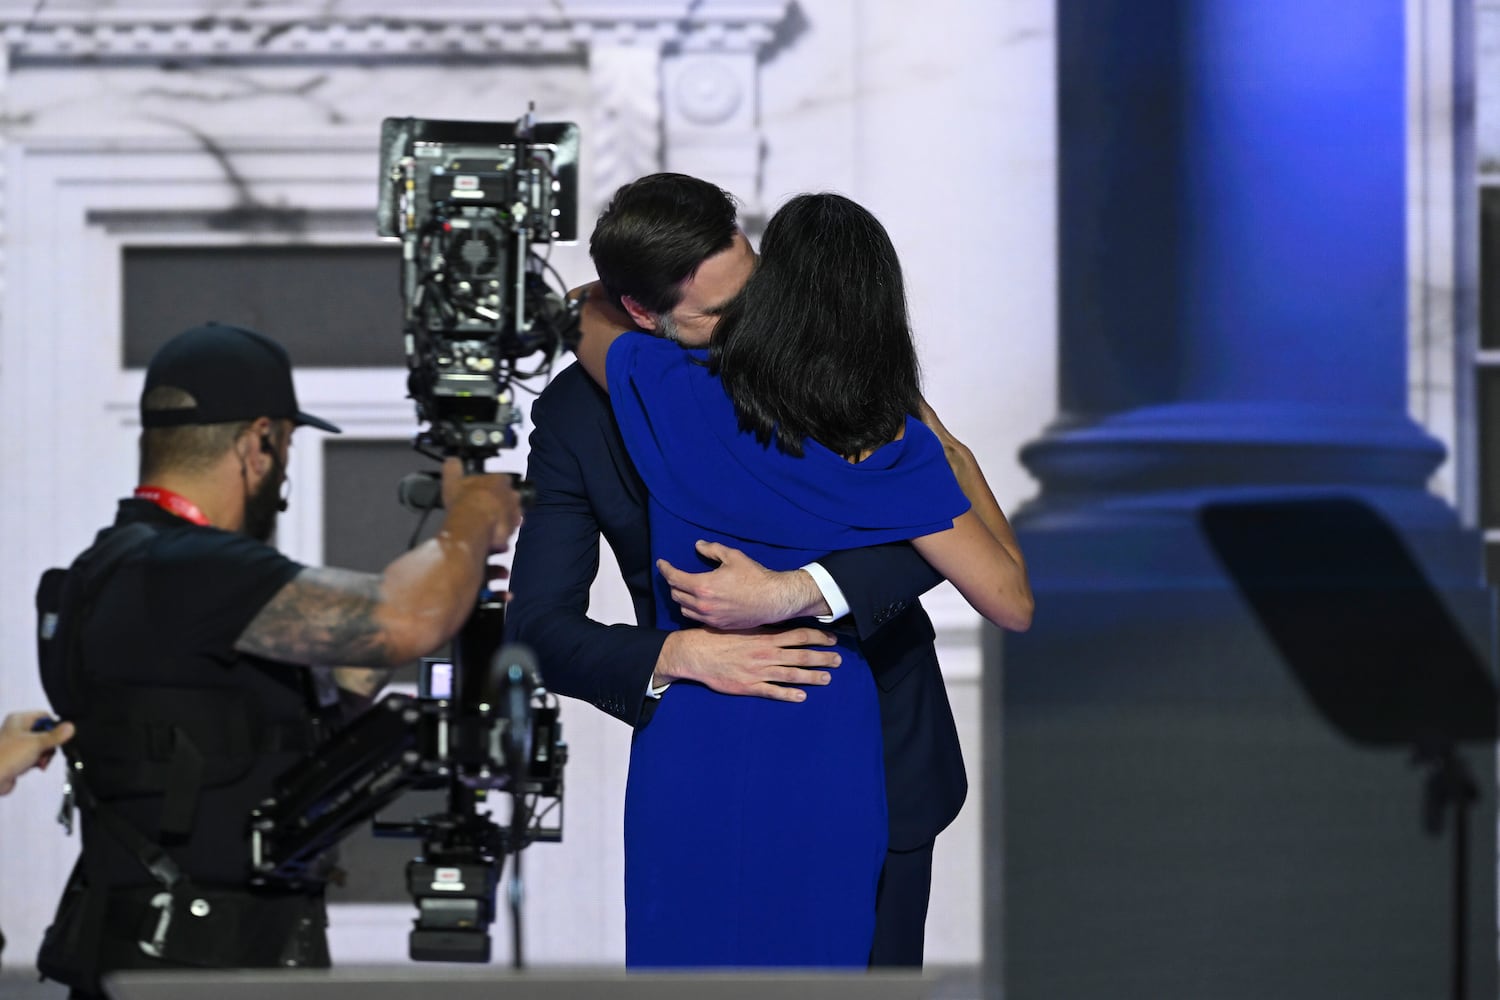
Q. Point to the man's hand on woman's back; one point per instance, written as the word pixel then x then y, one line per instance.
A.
pixel 737 653
pixel 739 592
pixel 763 664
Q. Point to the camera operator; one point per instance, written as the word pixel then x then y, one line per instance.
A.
pixel 181 653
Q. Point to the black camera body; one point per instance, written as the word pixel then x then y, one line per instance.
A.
pixel 471 202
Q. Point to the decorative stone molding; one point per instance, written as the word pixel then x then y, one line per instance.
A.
pixel 705 92
pixel 625 142
pixel 683 71
pixel 711 123
pixel 97 30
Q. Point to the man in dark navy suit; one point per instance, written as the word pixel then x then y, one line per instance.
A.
pixel 670 254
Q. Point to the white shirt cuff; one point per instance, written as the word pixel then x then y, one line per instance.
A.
pixel 652 691
pixel 837 603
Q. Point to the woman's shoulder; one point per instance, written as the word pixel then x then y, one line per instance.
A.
pixel 915 445
pixel 633 345
pixel 644 359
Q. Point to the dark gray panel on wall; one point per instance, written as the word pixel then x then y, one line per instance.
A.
pixel 364 528
pixel 1489 447
pixel 332 306
pixel 1489 262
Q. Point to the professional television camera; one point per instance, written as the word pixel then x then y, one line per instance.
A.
pixel 470 202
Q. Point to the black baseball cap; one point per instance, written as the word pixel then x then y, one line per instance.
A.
pixel 232 373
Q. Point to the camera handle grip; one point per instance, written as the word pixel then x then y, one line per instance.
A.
pixel 420 492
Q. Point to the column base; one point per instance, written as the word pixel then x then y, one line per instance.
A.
pixel 1120 498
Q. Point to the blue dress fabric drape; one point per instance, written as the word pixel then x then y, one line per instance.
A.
pixel 755 830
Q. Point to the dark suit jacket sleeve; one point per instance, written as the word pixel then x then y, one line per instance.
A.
pixel 880 582
pixel 556 560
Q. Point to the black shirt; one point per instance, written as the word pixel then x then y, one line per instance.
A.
pixel 167 619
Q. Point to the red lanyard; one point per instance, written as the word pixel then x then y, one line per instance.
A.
pixel 174 503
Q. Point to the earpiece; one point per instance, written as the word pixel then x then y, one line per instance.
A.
pixel 286 483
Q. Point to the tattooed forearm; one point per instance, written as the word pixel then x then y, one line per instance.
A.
pixel 323 616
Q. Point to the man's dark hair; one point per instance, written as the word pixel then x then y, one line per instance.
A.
pixel 186 448
pixel 818 345
pixel 654 234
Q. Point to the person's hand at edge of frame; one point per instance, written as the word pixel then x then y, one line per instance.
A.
pixel 22 749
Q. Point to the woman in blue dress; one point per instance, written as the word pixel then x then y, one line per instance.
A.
pixel 795 434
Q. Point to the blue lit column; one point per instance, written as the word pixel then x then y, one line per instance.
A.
pixel 1233 255
pixel 1176 820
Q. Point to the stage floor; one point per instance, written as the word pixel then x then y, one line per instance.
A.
pixel 951 983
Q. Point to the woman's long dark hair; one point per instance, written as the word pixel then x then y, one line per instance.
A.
pixel 818 345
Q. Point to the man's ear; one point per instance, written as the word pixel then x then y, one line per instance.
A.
pixel 643 317
pixel 255 437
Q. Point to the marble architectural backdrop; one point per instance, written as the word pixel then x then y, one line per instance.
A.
pixel 140 123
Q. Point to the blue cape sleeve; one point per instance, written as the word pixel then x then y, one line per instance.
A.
pixel 683 435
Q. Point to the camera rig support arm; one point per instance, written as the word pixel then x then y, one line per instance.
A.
pixel 509 742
